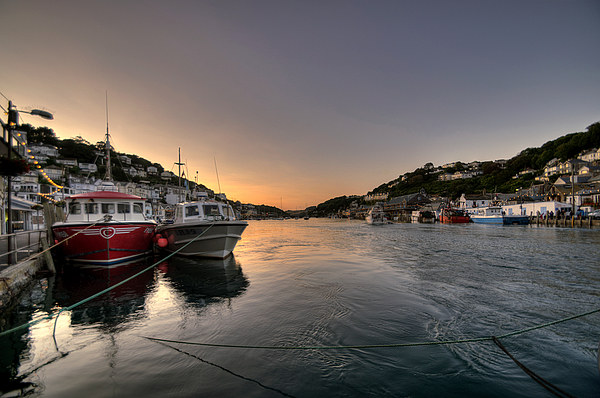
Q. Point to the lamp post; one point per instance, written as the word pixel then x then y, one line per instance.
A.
pixel 13 121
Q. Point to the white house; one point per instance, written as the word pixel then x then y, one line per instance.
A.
pixel 125 159
pixel 43 149
pixel 472 201
pixel 590 156
pixel 88 167
pixel 167 175
pixel 376 196
pixel 55 173
pixel 67 162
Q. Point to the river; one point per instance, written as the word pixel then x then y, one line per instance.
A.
pixel 324 284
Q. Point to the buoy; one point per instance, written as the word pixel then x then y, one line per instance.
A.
pixel 162 242
pixel 157 237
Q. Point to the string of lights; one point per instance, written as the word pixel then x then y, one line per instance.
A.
pixel 45 175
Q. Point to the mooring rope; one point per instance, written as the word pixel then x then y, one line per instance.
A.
pixel 57 314
pixel 64 240
pixel 537 378
pixel 369 346
pixel 496 339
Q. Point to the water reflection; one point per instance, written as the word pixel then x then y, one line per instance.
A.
pixel 111 309
pixel 204 281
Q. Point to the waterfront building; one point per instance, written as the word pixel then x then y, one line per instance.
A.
pixel 535 208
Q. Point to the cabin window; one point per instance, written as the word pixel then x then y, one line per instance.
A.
pixel 191 211
pixel 91 208
pixel 138 208
pixel 211 210
pixel 123 208
pixel 108 208
pixel 228 211
pixel 75 208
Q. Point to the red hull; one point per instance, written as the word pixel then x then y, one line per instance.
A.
pixel 454 216
pixel 106 243
pixel 455 219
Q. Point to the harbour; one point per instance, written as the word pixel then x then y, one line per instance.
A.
pixel 321 284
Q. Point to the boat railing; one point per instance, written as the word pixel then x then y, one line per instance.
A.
pixel 19 246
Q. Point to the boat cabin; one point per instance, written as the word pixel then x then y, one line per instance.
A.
pixel 94 206
pixel 200 211
pixel 491 211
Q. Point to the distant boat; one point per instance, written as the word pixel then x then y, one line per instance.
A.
pixel 376 216
pixel 495 215
pixel 209 225
pixel 454 216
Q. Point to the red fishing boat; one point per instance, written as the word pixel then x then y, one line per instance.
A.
pixel 104 228
pixel 454 216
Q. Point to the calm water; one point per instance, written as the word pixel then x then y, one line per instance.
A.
pixel 324 283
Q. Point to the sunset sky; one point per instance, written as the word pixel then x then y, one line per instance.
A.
pixel 303 101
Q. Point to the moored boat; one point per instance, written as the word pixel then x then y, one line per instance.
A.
pixel 205 228
pixel 376 216
pixel 495 215
pixel 486 215
pixel 454 216
pixel 104 228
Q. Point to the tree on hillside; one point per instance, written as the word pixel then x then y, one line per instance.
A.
pixel 78 149
pixel 40 135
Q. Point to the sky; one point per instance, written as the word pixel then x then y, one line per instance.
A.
pixel 297 102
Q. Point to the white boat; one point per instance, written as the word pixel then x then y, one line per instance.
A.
pixel 486 215
pixel 376 216
pixel 495 215
pixel 204 228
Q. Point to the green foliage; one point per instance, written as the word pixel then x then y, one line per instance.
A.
pixel 76 149
pixel 40 135
pixel 335 204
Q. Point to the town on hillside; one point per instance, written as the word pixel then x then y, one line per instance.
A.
pixel 561 177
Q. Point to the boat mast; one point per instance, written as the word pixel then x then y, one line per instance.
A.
pixel 179 174
pixel 217 172
pixel 108 176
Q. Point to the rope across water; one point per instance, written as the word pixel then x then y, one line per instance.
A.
pixel 370 346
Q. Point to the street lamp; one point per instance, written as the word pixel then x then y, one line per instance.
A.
pixel 13 121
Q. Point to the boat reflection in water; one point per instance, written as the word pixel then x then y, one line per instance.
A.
pixel 202 281
pixel 199 282
pixel 113 307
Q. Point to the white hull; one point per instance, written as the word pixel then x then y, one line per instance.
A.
pixel 203 239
